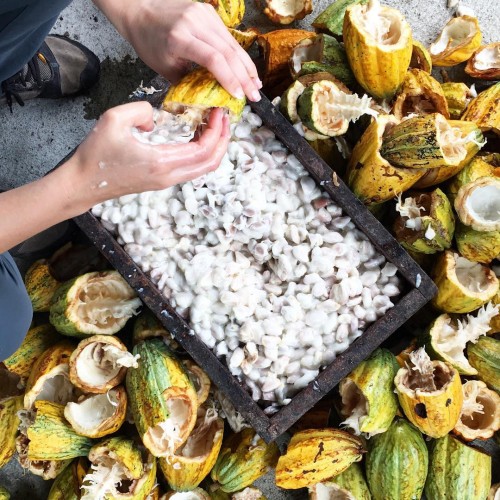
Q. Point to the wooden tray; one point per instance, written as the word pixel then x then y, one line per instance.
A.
pixel 413 297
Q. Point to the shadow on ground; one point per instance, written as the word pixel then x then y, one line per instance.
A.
pixel 118 80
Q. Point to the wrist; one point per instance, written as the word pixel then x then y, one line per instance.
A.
pixel 76 194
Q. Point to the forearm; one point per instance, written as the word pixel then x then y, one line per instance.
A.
pixel 27 210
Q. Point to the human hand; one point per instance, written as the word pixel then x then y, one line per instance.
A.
pixel 168 35
pixel 111 162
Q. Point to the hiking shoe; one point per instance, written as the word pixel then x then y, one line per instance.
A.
pixel 60 68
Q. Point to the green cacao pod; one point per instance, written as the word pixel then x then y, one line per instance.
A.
pixel 49 379
pixel 162 398
pixel 353 481
pixel 120 470
pixel 419 93
pixel 40 285
pixel 92 304
pixel 9 422
pixel 68 483
pixel 199 89
pixel 315 114
pixel 484 110
pixel 243 459
pixel 331 20
pixel 316 455
pixel 431 141
pixel 186 469
pixel 4 493
pixel 37 341
pixel 484 356
pixel 372 178
pixel 457 96
pixel 378 64
pixel 368 399
pixel 479 166
pixel 46 435
pixel 428 232
pixel 396 463
pixel 457 471
pixel 477 246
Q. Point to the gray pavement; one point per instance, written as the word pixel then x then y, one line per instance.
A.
pixel 38 136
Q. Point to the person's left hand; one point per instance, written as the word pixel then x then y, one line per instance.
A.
pixel 169 34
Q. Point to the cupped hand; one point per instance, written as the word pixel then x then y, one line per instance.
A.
pixel 169 35
pixel 111 162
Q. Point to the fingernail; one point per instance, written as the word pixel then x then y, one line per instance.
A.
pixel 257 82
pixel 255 95
pixel 238 93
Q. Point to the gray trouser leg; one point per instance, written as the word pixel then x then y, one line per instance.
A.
pixel 15 307
pixel 24 24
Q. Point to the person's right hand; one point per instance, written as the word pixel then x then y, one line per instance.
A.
pixel 111 162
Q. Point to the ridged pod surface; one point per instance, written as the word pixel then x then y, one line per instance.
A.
pixel 457 96
pixel 437 219
pixel 478 246
pixel 372 178
pixel 277 47
pixel 187 468
pixel 369 387
pixel 484 110
pixel 457 471
pixel 463 286
pixel 162 398
pixel 68 483
pixel 430 141
pixel 9 422
pixel 331 20
pixel 52 438
pixel 40 285
pixel 77 306
pixel 53 362
pixel 244 458
pixel 230 11
pixel 435 176
pixel 353 481
pixel 379 65
pixel 396 463
pixel 315 455
pixel 484 356
pixel 245 38
pixel 37 341
pixel 433 411
pixel 199 89
pixel 419 93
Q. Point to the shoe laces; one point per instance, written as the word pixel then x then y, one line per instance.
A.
pixel 27 77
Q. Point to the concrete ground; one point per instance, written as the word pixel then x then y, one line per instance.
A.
pixel 35 138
